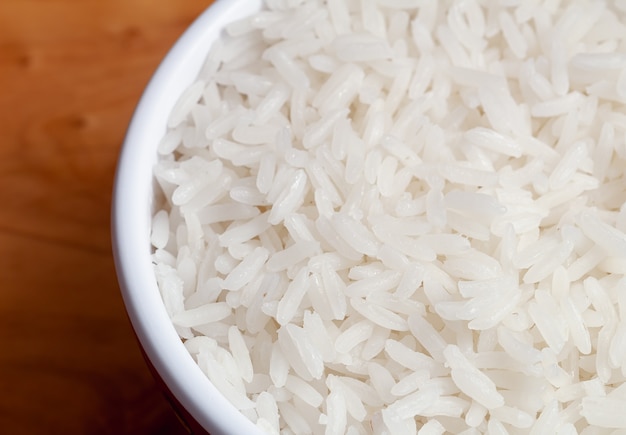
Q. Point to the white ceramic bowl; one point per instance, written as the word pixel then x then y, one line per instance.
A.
pixel 131 218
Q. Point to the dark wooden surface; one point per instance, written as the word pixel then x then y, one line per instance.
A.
pixel 71 72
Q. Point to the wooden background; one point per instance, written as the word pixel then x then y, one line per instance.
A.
pixel 71 72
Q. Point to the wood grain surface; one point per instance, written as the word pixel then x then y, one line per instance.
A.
pixel 71 72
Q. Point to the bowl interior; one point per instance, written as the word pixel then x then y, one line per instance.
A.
pixel 133 201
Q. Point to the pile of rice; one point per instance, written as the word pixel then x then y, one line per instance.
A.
pixel 405 216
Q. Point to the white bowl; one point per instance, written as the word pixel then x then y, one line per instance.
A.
pixel 132 208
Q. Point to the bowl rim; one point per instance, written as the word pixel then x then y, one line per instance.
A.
pixel 131 221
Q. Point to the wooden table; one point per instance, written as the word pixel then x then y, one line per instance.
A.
pixel 71 72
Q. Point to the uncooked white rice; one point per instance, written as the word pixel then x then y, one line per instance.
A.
pixel 398 217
